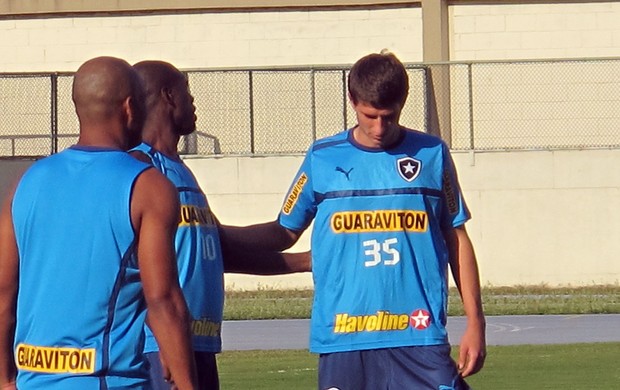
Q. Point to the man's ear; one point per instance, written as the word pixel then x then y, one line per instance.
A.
pixel 127 111
pixel 352 101
pixel 133 111
pixel 168 96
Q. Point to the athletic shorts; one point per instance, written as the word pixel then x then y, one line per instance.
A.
pixel 206 368
pixel 420 368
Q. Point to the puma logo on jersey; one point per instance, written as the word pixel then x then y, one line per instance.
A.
pixel 346 173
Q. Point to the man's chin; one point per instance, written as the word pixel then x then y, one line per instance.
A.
pixel 187 131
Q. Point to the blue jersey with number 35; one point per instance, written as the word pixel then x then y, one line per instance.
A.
pixel 379 258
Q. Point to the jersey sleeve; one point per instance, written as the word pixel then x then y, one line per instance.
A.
pixel 455 212
pixel 299 207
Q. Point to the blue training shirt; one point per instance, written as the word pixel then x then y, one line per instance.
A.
pixel 80 306
pixel 379 258
pixel 199 256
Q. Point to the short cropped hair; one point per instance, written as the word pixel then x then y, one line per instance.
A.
pixel 380 80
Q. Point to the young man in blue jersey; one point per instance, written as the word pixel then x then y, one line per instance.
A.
pixel 88 254
pixel 389 219
pixel 201 254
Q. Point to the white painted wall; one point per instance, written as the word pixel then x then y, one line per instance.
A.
pixel 526 31
pixel 211 40
pixel 539 217
pixel 241 39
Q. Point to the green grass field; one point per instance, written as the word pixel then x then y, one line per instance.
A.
pixel 523 367
pixel 280 304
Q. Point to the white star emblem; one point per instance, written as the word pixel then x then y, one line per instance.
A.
pixel 408 168
pixel 420 319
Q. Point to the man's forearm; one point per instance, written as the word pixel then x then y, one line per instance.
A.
pixel 472 351
pixel 466 271
pixel 258 262
pixel 8 371
pixel 170 322
pixel 269 236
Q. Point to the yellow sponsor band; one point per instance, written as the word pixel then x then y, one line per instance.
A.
pixel 55 360
pixel 204 327
pixel 381 321
pixel 292 197
pixel 379 221
pixel 196 216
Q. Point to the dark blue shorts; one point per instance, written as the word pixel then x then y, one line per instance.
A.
pixel 420 368
pixel 206 368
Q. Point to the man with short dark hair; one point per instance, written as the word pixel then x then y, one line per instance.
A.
pixel 389 218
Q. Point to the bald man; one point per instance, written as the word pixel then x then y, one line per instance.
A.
pixel 202 251
pixel 86 250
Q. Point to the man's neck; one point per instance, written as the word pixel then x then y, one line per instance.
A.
pixel 163 140
pixel 101 137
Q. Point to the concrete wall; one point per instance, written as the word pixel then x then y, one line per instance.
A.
pixel 253 34
pixel 211 39
pixel 557 29
pixel 539 217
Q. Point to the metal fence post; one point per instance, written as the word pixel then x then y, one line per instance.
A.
pixel 54 112
pixel 428 99
pixel 251 95
pixel 470 88
pixel 313 104
pixel 344 99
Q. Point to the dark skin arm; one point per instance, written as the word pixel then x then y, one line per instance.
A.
pixel 269 236
pixel 256 250
pixel 9 280
pixel 463 264
pixel 257 262
pixel 155 219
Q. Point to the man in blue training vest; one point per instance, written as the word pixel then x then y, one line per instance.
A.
pixel 88 254
pixel 202 252
pixel 389 219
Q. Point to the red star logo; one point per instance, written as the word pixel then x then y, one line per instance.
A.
pixel 420 319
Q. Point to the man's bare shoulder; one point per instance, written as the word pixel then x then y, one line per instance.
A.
pixel 153 190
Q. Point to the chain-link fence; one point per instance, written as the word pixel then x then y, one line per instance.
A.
pixel 37 117
pixel 535 104
pixel 277 111
pixel 473 106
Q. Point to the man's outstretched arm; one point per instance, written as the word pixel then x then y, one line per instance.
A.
pixel 255 249
pixel 269 236
pixel 259 262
